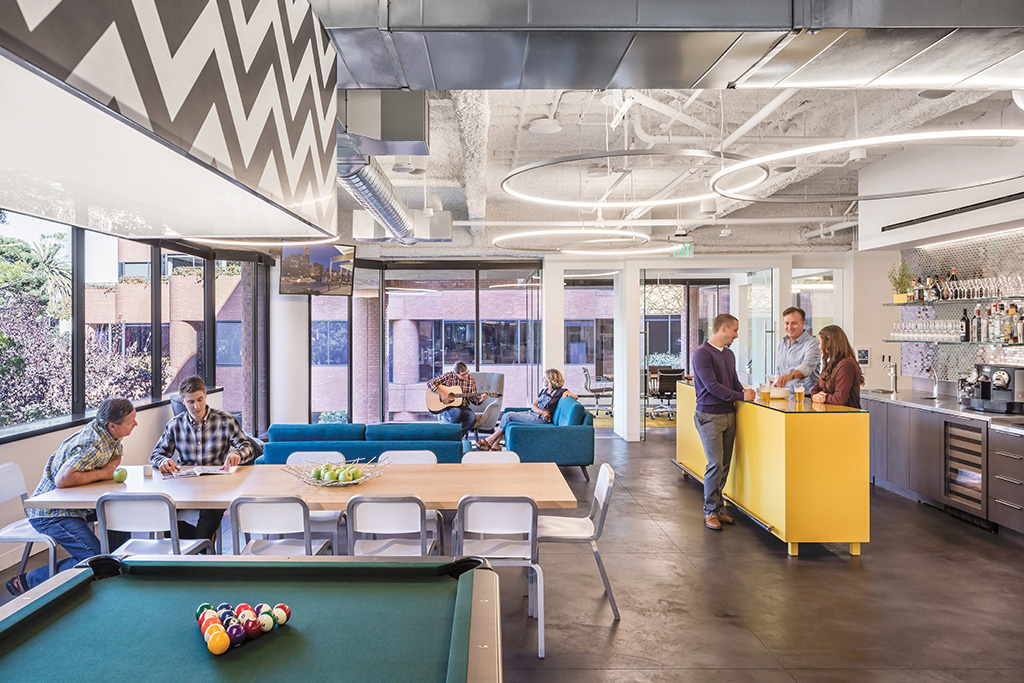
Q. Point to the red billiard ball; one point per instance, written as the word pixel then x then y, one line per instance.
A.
pixel 286 609
pixel 252 628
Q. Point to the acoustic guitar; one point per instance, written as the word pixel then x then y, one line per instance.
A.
pixel 436 403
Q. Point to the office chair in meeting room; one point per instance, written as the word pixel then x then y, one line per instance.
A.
pixel 597 392
pixel 663 387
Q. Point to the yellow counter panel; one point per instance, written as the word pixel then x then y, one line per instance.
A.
pixel 801 470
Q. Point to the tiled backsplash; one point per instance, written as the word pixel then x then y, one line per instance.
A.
pixel 990 257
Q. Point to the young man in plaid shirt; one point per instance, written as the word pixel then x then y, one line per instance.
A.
pixel 201 436
pixel 458 413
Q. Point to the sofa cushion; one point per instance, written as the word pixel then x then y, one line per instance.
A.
pixel 417 431
pixel 569 411
pixel 328 431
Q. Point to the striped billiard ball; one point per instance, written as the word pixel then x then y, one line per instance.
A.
pixel 266 621
pixel 202 608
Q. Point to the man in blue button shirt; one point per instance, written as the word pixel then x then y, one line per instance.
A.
pixel 798 355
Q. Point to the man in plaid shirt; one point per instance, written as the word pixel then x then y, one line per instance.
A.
pixel 458 413
pixel 90 454
pixel 201 436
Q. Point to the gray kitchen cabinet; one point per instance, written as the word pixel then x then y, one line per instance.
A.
pixel 897 460
pixel 924 453
pixel 877 436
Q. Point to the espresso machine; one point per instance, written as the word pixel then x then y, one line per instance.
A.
pixel 996 389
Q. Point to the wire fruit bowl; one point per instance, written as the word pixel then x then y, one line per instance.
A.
pixel 370 470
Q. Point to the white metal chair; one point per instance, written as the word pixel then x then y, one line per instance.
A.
pixel 488 412
pixel 554 529
pixel 12 485
pixel 408 457
pixel 322 522
pixel 152 513
pixel 490 457
pixel 507 529
pixel 270 516
pixel 398 457
pixel 389 521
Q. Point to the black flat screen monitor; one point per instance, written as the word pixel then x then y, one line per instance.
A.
pixel 318 269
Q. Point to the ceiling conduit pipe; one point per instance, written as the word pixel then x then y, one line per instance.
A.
pixel 371 188
pixel 793 140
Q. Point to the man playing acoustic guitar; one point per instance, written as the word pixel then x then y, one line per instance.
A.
pixel 459 412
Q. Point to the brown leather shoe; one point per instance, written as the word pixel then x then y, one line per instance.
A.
pixel 711 522
pixel 17 585
pixel 725 519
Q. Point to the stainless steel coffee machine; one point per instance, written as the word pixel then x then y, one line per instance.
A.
pixel 997 389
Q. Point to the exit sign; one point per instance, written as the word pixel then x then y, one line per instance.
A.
pixel 684 250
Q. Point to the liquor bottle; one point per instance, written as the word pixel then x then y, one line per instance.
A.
pixel 1006 319
pixel 1015 324
pixel 965 327
pixel 929 289
pixel 946 293
pixel 919 290
pixel 994 328
pixel 1018 335
pixel 976 324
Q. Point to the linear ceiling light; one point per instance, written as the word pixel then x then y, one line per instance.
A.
pixel 261 243
pixel 621 252
pixel 515 285
pixel 607 157
pixel 582 235
pixel 590 275
pixel 998 233
pixel 901 139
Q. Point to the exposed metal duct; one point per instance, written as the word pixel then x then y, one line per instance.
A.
pixel 372 189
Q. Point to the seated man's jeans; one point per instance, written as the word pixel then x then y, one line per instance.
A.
pixel 206 527
pixel 76 536
pixel 459 415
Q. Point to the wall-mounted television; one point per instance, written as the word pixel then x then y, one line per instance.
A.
pixel 318 269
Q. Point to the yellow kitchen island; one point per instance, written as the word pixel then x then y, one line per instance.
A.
pixel 800 470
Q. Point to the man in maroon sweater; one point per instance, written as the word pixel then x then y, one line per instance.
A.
pixel 718 388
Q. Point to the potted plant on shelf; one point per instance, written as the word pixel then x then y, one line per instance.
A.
pixel 901 280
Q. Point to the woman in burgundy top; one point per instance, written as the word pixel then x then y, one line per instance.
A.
pixel 841 377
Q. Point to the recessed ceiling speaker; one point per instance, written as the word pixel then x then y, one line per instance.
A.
pixel 858 154
pixel 545 126
pixel 934 94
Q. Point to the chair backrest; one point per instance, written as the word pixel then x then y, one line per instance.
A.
pixel 303 457
pixel 270 515
pixel 490 457
pixel 137 512
pixel 386 515
pixel 586 379
pixel 667 381
pixel 408 457
pixel 12 482
pixel 602 492
pixel 497 515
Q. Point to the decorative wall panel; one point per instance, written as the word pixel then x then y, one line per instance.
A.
pixel 244 86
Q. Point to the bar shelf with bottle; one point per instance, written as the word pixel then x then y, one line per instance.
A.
pixel 955 343
pixel 947 301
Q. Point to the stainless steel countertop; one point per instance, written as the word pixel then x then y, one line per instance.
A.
pixel 1013 424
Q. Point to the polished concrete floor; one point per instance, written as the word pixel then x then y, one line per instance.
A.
pixel 931 598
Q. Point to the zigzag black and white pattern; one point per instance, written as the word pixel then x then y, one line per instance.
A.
pixel 246 86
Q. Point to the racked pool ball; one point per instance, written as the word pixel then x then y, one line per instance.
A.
pixel 286 609
pixel 224 606
pixel 211 630
pixel 261 608
pixel 202 608
pixel 252 628
pixel 266 621
pixel 219 643
pixel 279 615
pixel 236 632
pixel 243 607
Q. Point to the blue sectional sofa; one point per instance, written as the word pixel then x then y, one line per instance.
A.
pixel 566 441
pixel 359 441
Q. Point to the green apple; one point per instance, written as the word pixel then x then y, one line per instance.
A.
pixel 356 473
pixel 315 473
pixel 120 474
pixel 331 476
pixel 346 475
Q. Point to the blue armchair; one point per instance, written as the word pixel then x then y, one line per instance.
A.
pixel 567 440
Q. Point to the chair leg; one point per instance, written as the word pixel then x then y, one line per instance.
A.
pixel 539 599
pixel 607 583
pixel 24 559
pixel 440 533
pixel 586 474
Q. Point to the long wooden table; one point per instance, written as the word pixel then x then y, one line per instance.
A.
pixel 440 486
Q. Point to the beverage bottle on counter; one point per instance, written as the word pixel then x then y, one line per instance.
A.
pixel 965 327
pixel 976 324
pixel 945 291
pixel 919 290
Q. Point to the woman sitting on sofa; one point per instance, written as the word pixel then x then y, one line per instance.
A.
pixel 542 410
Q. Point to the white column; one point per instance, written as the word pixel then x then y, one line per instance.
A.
pixel 628 324
pixel 289 355
pixel 553 315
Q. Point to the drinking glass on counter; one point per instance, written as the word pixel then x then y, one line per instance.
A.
pixel 766 392
pixel 799 393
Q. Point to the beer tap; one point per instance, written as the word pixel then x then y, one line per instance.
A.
pixel 890 366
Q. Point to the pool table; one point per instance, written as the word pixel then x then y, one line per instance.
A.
pixel 426 619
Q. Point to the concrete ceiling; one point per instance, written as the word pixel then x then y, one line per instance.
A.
pixel 478 137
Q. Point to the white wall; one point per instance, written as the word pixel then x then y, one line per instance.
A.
pixel 865 288
pixel 289 355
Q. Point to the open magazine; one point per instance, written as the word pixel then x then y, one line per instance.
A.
pixel 197 470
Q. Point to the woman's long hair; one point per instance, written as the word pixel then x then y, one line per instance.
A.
pixel 834 348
